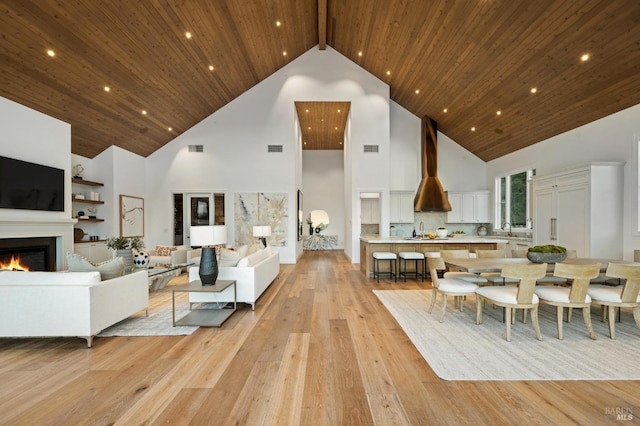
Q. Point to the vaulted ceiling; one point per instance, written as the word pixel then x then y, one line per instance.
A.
pixel 457 61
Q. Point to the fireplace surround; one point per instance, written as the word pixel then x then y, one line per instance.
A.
pixel 33 253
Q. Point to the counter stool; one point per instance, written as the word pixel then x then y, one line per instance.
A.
pixel 393 266
pixel 403 256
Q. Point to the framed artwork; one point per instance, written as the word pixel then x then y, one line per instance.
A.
pixel 300 219
pixel 131 216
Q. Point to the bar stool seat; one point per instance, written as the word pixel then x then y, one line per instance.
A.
pixel 403 256
pixel 393 266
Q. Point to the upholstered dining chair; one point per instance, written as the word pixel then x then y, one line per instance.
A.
pixel 466 276
pixel 521 296
pixel 571 297
pixel 621 296
pixel 447 286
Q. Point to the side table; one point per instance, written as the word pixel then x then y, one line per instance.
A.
pixel 204 317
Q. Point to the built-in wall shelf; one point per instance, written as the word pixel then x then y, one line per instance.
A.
pixel 86 182
pixel 82 200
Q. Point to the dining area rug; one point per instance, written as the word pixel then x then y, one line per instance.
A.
pixel 458 349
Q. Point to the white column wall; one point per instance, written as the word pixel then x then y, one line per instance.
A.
pixel 235 140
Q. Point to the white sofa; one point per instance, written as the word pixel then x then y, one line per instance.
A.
pixel 63 304
pixel 177 256
pixel 251 281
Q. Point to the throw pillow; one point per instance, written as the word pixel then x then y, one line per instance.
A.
pixel 165 250
pixel 229 257
pixel 111 268
pixel 108 269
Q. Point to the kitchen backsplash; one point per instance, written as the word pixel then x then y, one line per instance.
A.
pixel 433 221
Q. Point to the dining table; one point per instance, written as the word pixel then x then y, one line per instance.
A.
pixel 483 265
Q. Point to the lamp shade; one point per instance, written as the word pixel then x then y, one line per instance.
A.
pixel 261 231
pixel 209 235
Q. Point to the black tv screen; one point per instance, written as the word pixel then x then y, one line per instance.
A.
pixel 30 186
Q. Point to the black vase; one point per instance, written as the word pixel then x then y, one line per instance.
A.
pixel 310 229
pixel 208 266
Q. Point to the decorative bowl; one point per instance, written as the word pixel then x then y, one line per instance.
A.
pixel 441 233
pixel 537 257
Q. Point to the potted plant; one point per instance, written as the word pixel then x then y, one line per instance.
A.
pixel 124 247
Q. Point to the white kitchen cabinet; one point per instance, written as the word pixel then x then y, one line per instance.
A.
pixel 580 209
pixel 96 252
pixel 369 211
pixel 469 207
pixel 402 210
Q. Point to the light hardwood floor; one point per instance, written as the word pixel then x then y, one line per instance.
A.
pixel 319 349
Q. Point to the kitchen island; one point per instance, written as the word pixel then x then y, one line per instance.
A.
pixel 368 245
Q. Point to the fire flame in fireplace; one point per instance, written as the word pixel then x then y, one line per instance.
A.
pixel 14 265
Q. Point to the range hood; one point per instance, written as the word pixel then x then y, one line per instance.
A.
pixel 430 196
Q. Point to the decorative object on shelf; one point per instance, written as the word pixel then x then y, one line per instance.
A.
pixel 547 254
pixel 482 230
pixel 441 232
pixel 124 247
pixel 131 216
pixel 93 212
pixel 77 171
pixel 262 232
pixel 207 236
pixel 78 234
pixel 140 259
pixel 310 224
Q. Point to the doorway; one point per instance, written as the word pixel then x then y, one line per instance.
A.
pixel 195 209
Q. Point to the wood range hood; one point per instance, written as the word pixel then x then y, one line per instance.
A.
pixel 431 197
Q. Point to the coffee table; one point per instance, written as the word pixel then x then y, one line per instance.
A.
pixel 204 317
pixel 159 276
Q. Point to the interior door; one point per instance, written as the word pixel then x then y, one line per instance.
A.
pixel 197 212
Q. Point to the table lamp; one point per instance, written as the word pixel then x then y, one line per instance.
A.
pixel 208 236
pixel 262 232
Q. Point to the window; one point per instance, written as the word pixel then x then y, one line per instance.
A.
pixel 513 206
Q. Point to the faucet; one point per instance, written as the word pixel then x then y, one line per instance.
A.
pixel 421 229
pixel 505 226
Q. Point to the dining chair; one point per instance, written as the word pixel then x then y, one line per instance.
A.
pixel 621 296
pixel 571 297
pixel 466 276
pixel 494 277
pixel 521 296
pixel 447 286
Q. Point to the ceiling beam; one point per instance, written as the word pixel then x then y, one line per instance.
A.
pixel 322 24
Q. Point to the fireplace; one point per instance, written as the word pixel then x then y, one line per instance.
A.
pixel 36 254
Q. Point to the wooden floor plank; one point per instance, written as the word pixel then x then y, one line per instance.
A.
pixel 320 348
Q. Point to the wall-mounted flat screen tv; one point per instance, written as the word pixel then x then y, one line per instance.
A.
pixel 30 186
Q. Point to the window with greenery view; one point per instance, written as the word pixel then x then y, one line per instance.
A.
pixel 513 200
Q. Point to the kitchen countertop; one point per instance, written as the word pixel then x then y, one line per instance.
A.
pixel 461 240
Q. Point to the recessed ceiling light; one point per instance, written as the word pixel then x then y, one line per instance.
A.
pixel 305 143
pixel 309 128
pixel 585 57
pixel 306 110
pixel 498 112
pixel 534 90
pixel 144 112
pixel 445 110
pixel 187 34
pixel 170 128
pixel 284 53
pixel 210 67
pixel 360 53
pixel 417 91
pixel 339 110
pixel 473 129
pixel 336 128
pixel 388 72
pixel 107 88
pixel 51 53
pixel 278 23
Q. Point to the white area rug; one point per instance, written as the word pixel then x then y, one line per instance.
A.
pixel 158 323
pixel 458 349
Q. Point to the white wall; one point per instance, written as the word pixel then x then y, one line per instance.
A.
pixel 235 140
pixel 323 189
pixel 611 138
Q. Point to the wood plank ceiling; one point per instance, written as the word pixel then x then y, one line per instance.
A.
pixel 471 58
